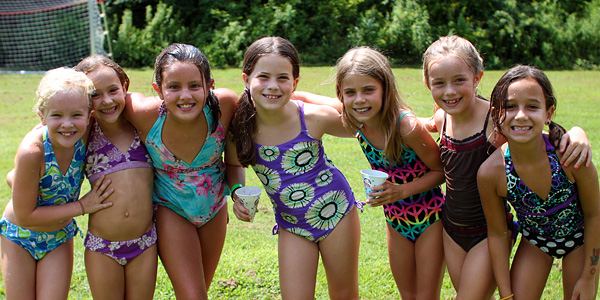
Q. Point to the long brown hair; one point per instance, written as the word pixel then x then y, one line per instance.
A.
pixel 243 125
pixel 370 62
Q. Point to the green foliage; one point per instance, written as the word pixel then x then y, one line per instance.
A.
pixel 547 33
pixel 139 47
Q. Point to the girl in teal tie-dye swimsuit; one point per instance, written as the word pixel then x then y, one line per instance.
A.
pixel 395 142
pixel 184 133
pixel 38 226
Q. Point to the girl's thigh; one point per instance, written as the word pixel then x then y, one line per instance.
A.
pixel 429 257
pixel 212 239
pixel 477 276
pixel 455 256
pixel 140 275
pixel 298 261
pixel 529 271
pixel 340 257
pixel 53 275
pixel 106 277
pixel 181 254
pixel 18 270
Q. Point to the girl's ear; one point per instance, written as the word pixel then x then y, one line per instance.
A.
pixel 42 119
pixel 296 83
pixel 246 79
pixel 211 83
pixel 125 87
pixel 550 113
pixel 478 78
pixel 157 89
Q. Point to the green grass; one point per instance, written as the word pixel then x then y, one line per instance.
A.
pixel 248 266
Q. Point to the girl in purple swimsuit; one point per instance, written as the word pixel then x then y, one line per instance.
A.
pixel 313 202
pixel 452 70
pixel 120 255
pixel 558 207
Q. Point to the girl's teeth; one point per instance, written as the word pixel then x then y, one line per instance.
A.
pixel 361 109
pixel 521 127
pixel 271 96
pixel 186 105
pixel 451 101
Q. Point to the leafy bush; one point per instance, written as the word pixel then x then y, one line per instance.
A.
pixel 550 34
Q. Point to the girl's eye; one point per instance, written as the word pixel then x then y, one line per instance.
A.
pixel 195 86
pixel 349 93
pixel 114 90
pixel 95 95
pixel 173 87
pixel 437 83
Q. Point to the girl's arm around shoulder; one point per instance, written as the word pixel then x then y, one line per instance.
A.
pixel 416 137
pixel 576 148
pixel 586 180
pixel 321 119
pixel 227 103
pixel 141 112
pixel 318 99
pixel 491 181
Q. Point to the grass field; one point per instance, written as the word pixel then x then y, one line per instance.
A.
pixel 248 267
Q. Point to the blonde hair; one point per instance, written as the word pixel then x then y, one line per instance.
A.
pixel 59 80
pixel 452 45
pixel 370 62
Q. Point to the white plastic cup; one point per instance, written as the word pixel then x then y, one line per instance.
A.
pixel 373 178
pixel 249 196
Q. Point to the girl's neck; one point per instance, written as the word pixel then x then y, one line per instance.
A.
pixel 528 152
pixel 269 117
pixel 114 126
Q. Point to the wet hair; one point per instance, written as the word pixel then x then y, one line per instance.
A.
pixel 500 97
pixel 370 62
pixel 61 80
pixel 188 54
pixel 243 125
pixel 452 46
pixel 92 63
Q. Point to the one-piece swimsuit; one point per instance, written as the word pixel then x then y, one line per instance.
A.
pixel 554 225
pixel 195 191
pixel 409 216
pixel 310 196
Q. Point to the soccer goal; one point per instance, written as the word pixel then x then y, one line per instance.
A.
pixel 38 35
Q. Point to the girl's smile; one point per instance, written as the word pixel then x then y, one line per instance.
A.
pixel 452 84
pixel 363 97
pixel 526 112
pixel 271 83
pixel 108 99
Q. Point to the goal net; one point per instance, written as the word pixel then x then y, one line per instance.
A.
pixel 38 35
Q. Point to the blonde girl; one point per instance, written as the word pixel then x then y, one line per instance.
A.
pixel 37 226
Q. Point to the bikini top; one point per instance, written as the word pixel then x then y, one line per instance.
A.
pixel 559 215
pixel 55 188
pixel 103 157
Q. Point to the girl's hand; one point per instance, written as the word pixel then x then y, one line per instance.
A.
pixel 575 147
pixel 385 193
pixel 585 289
pixel 94 200
pixel 240 211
